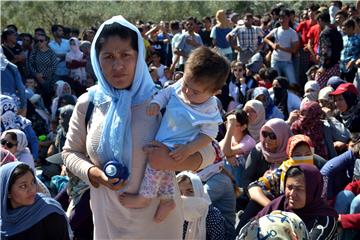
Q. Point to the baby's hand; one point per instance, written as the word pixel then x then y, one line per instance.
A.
pixel 153 109
pixel 181 153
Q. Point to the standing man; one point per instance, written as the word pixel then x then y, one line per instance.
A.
pixel 330 46
pixel 189 41
pixel 285 44
pixel 60 46
pixel 247 39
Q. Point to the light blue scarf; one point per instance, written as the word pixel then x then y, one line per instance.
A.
pixel 116 139
pixel 14 221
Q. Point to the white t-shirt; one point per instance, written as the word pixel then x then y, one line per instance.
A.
pixel 285 38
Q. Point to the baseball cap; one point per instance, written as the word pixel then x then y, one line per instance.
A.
pixel 345 87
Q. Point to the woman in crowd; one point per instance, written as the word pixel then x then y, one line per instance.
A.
pixel 311 91
pixel 237 85
pixel 75 61
pixel 263 95
pixel 326 101
pixel 347 103
pixel 62 89
pixel 322 132
pixel 334 82
pixel 303 189
pixel 15 141
pixel 300 150
pixel 283 98
pixel 202 220
pixel 116 132
pixel 11 120
pixel 267 155
pixel 42 64
pixel 219 32
pixel 237 144
pixel 280 225
pixel 26 214
pixel 256 114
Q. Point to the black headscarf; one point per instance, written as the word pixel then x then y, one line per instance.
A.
pixel 281 95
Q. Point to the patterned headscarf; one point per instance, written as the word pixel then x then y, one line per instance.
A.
pixel 276 225
pixel 310 124
pixel 9 117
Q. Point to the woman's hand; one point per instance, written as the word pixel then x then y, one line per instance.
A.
pixel 97 177
pixel 293 116
pixel 231 120
pixel 181 152
pixel 158 156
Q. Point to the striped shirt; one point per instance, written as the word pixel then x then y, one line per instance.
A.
pixel 247 38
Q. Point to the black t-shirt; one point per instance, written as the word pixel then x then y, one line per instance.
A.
pixel 10 54
pixel 53 226
pixel 205 37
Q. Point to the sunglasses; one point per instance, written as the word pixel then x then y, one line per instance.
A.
pixel 271 135
pixel 4 142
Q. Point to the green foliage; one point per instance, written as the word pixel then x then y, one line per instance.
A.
pixel 82 14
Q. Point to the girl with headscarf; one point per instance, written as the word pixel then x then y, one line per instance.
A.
pixel 326 101
pixel 62 89
pixel 202 221
pixel 11 120
pixel 280 224
pixel 306 201
pixel 347 103
pixel 218 34
pixel 311 90
pixel 263 95
pixel 27 214
pixel 283 98
pixel 256 114
pixel 322 132
pixel 17 138
pixel 75 61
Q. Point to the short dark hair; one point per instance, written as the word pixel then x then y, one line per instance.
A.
pixel 271 74
pixel 285 12
pixel 39 29
pixel 241 116
pixel 6 33
pixel 174 25
pixel 115 29
pixel 248 15
pixel 26 35
pixel 323 16
pixel 342 13
pixel 75 30
pixel 349 23
pixel 13 26
pixel 18 172
pixel 314 7
pixel 204 62
pixel 55 27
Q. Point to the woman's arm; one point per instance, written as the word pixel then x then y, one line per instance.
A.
pixel 256 193
pixel 324 228
pixel 32 141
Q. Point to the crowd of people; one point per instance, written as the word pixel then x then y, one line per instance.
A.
pixel 228 127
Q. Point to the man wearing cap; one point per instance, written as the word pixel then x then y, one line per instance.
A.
pixel 347 103
pixel 285 44
pixel 247 39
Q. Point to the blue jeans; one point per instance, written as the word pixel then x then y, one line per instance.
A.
pixel 285 68
pixel 347 203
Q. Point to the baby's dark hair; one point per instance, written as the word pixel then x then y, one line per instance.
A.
pixel 115 29
pixel 209 67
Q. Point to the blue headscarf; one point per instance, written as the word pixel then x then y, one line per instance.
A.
pixel 269 104
pixel 14 221
pixel 116 140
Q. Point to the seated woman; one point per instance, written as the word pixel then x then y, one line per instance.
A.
pixel 300 150
pixel 271 111
pixel 62 88
pixel 281 225
pixel 267 155
pixel 256 113
pixel 303 189
pixel 323 133
pixel 15 141
pixel 348 206
pixel 326 101
pixel 347 103
pixel 237 144
pixel 202 220
pixel 311 92
pixel 283 98
pixel 26 214
pixel 222 190
pixel 10 119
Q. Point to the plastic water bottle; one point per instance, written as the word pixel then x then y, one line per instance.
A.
pixel 114 169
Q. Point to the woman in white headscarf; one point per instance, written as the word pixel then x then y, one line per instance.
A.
pixel 202 221
pixel 311 90
pixel 256 114
pixel 15 141
pixel 61 88
pixel 75 61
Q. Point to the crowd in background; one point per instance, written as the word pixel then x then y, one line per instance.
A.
pixel 290 108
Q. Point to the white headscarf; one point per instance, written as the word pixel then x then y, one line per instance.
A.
pixel 195 208
pixel 314 87
pixel 75 53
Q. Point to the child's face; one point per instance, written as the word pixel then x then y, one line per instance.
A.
pixel 154 75
pixel 193 91
pixel 30 83
pixel 186 188
pixel 54 127
pixel 155 59
pixel 168 74
pixel 238 72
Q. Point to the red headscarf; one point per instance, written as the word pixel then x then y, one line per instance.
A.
pixel 310 124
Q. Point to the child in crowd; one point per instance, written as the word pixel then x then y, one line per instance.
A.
pixel 237 87
pixel 160 68
pixel 191 119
